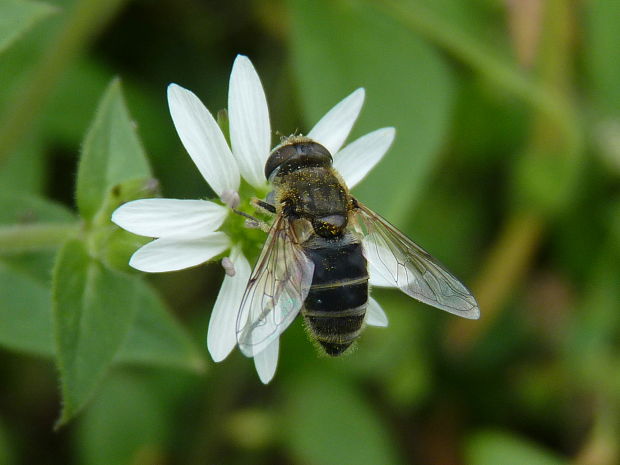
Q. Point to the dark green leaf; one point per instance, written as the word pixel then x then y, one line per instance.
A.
pixel 332 424
pixel 17 16
pixel 24 312
pixel 494 447
pixel 25 297
pixel 66 116
pixel 111 155
pixel 93 309
pixel 26 209
pixel 24 169
pixel 132 434
pixel 474 19
pixel 339 46
pixel 156 338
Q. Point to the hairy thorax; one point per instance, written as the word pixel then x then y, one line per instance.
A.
pixel 318 195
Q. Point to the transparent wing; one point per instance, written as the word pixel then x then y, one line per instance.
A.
pixel 276 290
pixel 402 263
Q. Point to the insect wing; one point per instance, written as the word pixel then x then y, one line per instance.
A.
pixel 396 260
pixel 276 290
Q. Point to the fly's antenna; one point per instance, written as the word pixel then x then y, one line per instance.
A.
pixel 284 138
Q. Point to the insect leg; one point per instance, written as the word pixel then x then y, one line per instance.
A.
pixel 264 206
pixel 253 223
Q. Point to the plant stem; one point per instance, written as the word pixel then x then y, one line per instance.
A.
pixel 601 447
pixel 505 264
pixel 82 24
pixel 22 238
pixel 543 98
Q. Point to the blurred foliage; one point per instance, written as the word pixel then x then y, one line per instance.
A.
pixel 505 167
pixel 491 447
pixel 336 50
pixel 19 16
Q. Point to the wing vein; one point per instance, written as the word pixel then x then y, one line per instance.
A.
pixel 410 268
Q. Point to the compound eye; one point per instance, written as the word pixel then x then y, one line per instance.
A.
pixel 297 153
pixel 278 157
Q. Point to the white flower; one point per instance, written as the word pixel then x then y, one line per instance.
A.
pixel 186 231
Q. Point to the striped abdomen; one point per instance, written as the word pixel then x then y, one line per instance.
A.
pixel 336 304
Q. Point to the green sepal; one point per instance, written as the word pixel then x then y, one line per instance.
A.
pixel 110 243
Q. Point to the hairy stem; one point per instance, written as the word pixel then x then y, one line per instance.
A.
pixel 22 238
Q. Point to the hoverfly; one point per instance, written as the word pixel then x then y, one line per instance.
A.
pixel 318 254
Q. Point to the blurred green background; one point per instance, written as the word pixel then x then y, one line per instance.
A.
pixel 505 167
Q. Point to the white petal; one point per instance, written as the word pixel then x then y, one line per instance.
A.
pixel 171 254
pixel 375 316
pixel 222 336
pixel 203 139
pixel 359 157
pixel 267 361
pixel 333 129
pixel 170 217
pixel 250 132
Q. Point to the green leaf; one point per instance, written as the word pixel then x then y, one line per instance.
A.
pixel 27 209
pixel 65 117
pixel 493 447
pixel 125 425
pixel 339 46
pixel 93 309
pixel 23 229
pixel 332 424
pixel 474 19
pixel 17 16
pixel 111 155
pixel 29 213
pixel 24 169
pixel 25 297
pixel 156 338
pixel 24 312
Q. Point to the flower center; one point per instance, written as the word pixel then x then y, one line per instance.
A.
pixel 251 240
